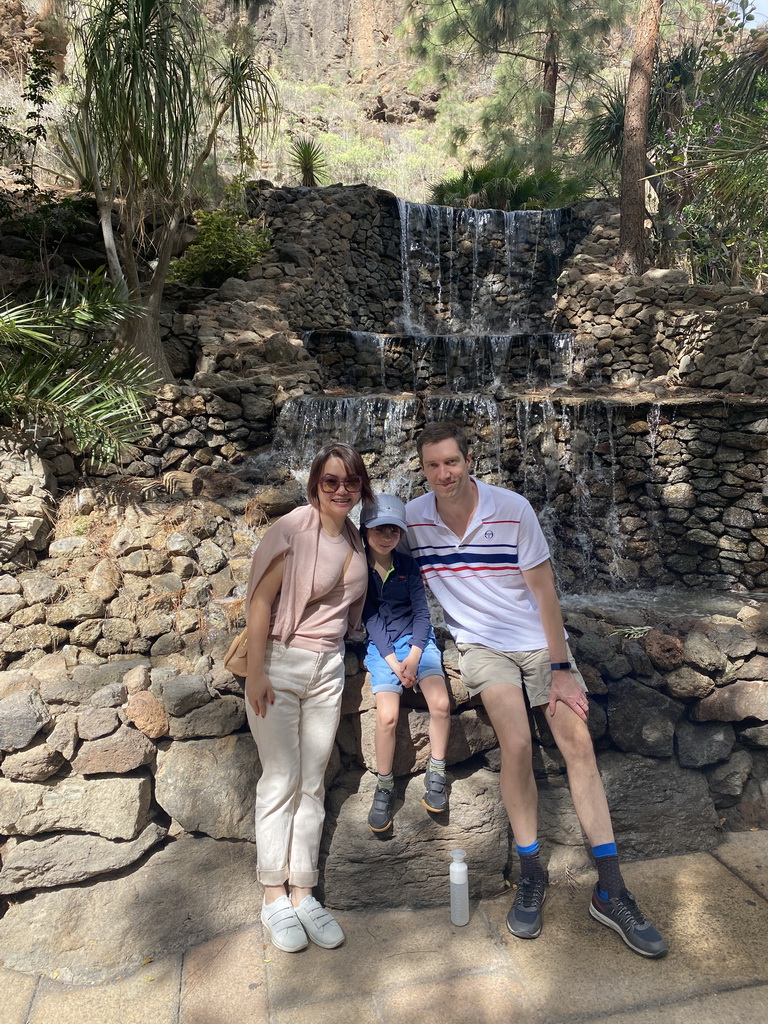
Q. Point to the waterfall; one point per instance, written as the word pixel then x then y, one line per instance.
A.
pixel 475 269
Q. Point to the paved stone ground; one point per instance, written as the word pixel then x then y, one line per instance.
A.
pixel 414 967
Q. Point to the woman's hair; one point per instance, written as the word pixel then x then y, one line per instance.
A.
pixel 353 464
pixel 443 430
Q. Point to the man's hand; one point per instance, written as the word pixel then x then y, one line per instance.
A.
pixel 566 690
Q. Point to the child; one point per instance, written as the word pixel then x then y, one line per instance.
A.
pixel 401 653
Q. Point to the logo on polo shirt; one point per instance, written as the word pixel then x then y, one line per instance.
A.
pixel 488 534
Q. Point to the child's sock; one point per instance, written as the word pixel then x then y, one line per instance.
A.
pixel 386 781
pixel 609 880
pixel 436 766
pixel 530 862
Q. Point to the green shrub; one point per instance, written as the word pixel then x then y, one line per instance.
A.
pixel 229 243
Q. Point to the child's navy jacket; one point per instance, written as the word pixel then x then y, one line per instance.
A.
pixel 397 606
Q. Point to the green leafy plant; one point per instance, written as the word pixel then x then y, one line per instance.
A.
pixel 503 185
pixel 306 157
pixel 229 243
pixel 60 374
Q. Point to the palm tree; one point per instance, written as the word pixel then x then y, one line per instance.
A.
pixel 62 373
pixel 502 184
pixel 152 101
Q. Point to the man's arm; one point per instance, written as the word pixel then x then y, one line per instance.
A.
pixel 541 583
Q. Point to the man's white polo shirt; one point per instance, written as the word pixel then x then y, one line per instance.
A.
pixel 478 578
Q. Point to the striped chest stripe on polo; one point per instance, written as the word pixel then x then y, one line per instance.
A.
pixel 470 560
pixel 474 559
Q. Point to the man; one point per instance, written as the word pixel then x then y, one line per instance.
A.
pixel 482 553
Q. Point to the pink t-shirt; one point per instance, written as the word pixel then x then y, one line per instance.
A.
pixel 324 623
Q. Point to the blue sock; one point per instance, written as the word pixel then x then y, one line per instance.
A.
pixel 530 863
pixel 609 880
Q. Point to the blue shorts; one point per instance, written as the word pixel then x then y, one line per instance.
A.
pixel 382 676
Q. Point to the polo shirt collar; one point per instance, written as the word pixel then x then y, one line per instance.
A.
pixel 486 506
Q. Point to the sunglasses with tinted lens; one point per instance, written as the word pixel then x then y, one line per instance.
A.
pixel 329 483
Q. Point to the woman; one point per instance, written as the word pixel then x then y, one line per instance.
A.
pixel 307 586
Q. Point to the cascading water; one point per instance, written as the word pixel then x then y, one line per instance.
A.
pixel 476 348
pixel 470 270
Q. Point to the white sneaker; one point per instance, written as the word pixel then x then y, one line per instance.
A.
pixel 283 925
pixel 320 925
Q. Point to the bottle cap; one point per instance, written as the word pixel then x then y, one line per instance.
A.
pixel 458 855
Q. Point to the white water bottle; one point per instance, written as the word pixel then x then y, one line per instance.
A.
pixel 459 888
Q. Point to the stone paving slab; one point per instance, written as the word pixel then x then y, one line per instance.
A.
pixel 716 929
pixel 746 853
pixel 149 996
pixel 224 981
pixel 383 949
pixel 742 1006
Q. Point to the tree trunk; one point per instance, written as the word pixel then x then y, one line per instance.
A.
pixel 546 107
pixel 142 335
pixel 631 256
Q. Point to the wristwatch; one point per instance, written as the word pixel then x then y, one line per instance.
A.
pixel 556 665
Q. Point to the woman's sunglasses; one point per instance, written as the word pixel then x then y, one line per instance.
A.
pixel 329 483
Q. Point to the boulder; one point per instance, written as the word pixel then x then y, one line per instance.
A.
pixel 641 719
pixel 34 764
pixel 727 780
pixel 147 714
pixel 700 745
pixel 45 862
pixel 117 754
pixel 732 703
pixel 184 894
pixel 216 718
pixel 22 716
pixel 183 693
pixel 359 867
pixel 93 723
pixel 209 785
pixel 64 735
pixel 666 652
pixel 657 808
pixel 116 808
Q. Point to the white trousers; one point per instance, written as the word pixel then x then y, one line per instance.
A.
pixel 295 740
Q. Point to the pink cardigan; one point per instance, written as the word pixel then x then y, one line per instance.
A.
pixel 297 535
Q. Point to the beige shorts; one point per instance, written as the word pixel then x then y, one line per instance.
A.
pixel 482 667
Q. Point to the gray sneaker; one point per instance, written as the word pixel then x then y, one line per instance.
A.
pixel 524 919
pixel 380 814
pixel 436 796
pixel 625 917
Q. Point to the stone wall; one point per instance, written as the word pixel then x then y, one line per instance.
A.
pixel 120 732
pixel 630 330
pixel 103 760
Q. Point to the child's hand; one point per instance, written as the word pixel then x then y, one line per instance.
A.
pixel 408 680
pixel 410 667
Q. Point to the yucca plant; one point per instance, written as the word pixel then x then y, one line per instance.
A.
pixel 306 157
pixel 58 375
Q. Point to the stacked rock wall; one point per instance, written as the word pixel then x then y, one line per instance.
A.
pixel 634 329
pixel 102 760
pixel 120 732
